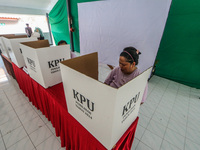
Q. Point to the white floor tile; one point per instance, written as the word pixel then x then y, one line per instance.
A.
pixel 135 143
pixel 179 117
pixel 194 100
pixel 143 120
pixel 32 125
pixel 142 146
pixel 146 111
pixel 156 128
pixel 193 135
pixel 23 109
pixel 44 119
pixel 12 91
pixel 24 144
pixel 164 110
pixel 168 146
pixel 189 145
pixel 3 99
pixel 151 140
pixel 5 107
pixel 180 110
pixel 14 136
pixel 150 105
pixel 177 127
pixel 49 125
pixel 40 135
pixel 193 115
pixel 50 143
pixel 2 146
pixel 160 118
pixel 139 132
pixel 194 108
pixel 168 99
pixel 7 116
pixel 18 100
pixel 9 126
pixel 194 124
pixel 29 115
pixel 174 138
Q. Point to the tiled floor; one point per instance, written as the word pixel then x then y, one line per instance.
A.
pixel 169 119
pixel 22 126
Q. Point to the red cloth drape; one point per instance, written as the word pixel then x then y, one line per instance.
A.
pixel 52 104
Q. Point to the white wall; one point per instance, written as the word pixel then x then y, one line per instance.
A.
pixel 11 27
pixel 107 27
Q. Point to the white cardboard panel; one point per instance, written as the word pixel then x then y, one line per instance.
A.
pixel 13 48
pixel 101 113
pixel 3 48
pixel 43 63
pixel 107 27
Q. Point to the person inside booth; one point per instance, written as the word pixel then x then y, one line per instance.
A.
pixel 62 42
pixel 126 71
pixel 38 33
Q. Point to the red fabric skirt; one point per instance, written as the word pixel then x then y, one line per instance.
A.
pixel 52 103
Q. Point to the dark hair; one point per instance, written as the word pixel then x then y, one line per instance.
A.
pixel 130 53
pixel 61 42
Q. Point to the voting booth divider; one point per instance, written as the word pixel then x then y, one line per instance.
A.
pixel 106 112
pixel 3 46
pixel 42 61
pixel 12 46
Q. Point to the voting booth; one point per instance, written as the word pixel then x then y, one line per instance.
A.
pixel 12 46
pixel 3 46
pixel 42 61
pixel 106 112
pixel 3 49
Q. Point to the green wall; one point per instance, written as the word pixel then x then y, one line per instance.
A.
pixel 179 52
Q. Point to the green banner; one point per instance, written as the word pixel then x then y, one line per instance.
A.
pixel 59 22
pixel 179 52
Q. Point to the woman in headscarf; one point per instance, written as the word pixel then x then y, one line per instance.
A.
pixel 126 70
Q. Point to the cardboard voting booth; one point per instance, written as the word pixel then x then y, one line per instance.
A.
pixel 106 112
pixel 42 61
pixel 12 46
pixel 3 48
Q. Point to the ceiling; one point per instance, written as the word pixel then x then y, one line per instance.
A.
pixel 44 5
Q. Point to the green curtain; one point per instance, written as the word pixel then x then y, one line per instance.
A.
pixel 179 52
pixel 59 22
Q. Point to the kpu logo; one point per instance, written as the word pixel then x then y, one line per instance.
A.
pixel 79 97
pixel 31 62
pixel 127 108
pixel 54 63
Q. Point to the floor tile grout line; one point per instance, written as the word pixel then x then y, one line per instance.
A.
pixel 187 121
pixel 148 117
pixel 3 140
pixel 22 126
pixel 155 110
pixel 169 120
pixel 187 125
pixel 39 115
pixel 144 144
